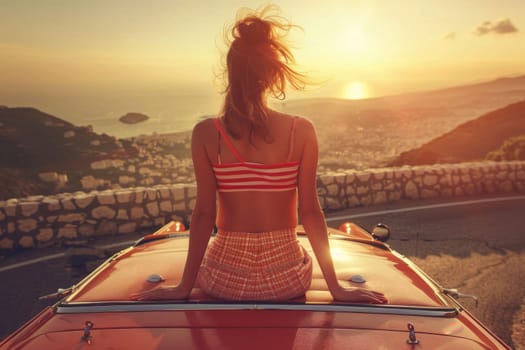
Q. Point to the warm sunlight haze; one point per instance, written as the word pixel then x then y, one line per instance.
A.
pixel 356 90
pixel 135 52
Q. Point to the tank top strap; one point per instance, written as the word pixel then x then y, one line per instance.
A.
pixel 227 140
pixel 292 137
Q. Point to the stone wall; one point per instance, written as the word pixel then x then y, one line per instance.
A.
pixel 41 221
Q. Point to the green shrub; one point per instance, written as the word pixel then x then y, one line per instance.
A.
pixel 512 149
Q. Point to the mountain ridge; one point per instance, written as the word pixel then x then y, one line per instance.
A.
pixel 470 141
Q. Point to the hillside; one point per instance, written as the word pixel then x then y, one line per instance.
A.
pixel 370 133
pixel 32 139
pixel 34 142
pixel 470 141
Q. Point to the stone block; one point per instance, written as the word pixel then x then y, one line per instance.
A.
pixel 420 171
pixel 379 175
pixel 83 201
pixel 45 235
pixel 179 206
pixel 103 212
pixel 333 203
pixel 361 190
pixel 152 208
pixel 73 217
pixel 350 190
pixel 68 204
pixel 394 196
pixel 165 193
pixel 137 213
pixel 139 196
pixel 151 194
pixel 50 176
pixel 340 179
pixel 6 244
pixel 125 180
pixel 10 209
pixel 26 225
pixel 52 204
pixel 366 200
pixel 177 192
pixel 106 198
pixel 122 214
pixel 29 208
pixel 430 180
pixel 124 196
pixel 411 190
pixel 68 231
pixel 363 177
pixel 379 198
pixel 166 207
pixel 377 186
pixel 191 192
pixel 333 190
pixel 26 242
pixel 322 190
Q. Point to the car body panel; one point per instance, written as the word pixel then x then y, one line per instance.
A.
pixel 382 270
pixel 315 321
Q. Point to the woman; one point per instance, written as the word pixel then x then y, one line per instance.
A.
pixel 262 164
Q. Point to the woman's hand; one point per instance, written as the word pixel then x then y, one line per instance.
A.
pixel 359 295
pixel 162 293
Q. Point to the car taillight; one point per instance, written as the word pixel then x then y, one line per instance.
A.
pixel 346 228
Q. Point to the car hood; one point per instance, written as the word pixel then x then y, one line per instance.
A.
pixel 244 338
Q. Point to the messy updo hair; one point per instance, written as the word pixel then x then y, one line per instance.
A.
pixel 258 62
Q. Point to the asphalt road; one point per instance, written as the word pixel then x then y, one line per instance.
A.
pixel 478 247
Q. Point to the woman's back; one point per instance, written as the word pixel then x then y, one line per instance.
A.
pixel 258 210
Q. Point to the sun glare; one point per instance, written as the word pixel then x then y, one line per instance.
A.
pixel 356 90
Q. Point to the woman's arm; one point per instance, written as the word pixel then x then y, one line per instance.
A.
pixel 202 221
pixel 313 221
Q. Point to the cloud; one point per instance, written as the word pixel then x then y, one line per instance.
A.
pixel 502 26
pixel 450 36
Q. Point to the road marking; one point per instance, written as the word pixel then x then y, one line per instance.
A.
pixel 328 219
pixel 57 256
pixel 424 207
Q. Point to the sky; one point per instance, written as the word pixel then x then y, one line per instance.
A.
pixel 353 49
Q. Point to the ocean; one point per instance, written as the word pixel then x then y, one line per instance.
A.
pixel 166 114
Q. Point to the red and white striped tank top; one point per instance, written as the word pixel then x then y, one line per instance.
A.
pixel 248 176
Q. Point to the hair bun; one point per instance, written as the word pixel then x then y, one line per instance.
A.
pixel 254 30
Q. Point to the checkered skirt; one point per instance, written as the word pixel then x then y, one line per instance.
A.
pixel 255 266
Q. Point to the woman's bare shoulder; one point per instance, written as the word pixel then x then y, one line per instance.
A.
pixel 304 126
pixel 204 128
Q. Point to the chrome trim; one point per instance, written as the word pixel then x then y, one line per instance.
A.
pixel 74 308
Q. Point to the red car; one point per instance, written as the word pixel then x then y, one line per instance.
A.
pixel 97 313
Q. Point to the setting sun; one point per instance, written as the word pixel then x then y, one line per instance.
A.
pixel 356 90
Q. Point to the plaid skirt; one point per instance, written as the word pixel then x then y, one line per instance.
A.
pixel 255 266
